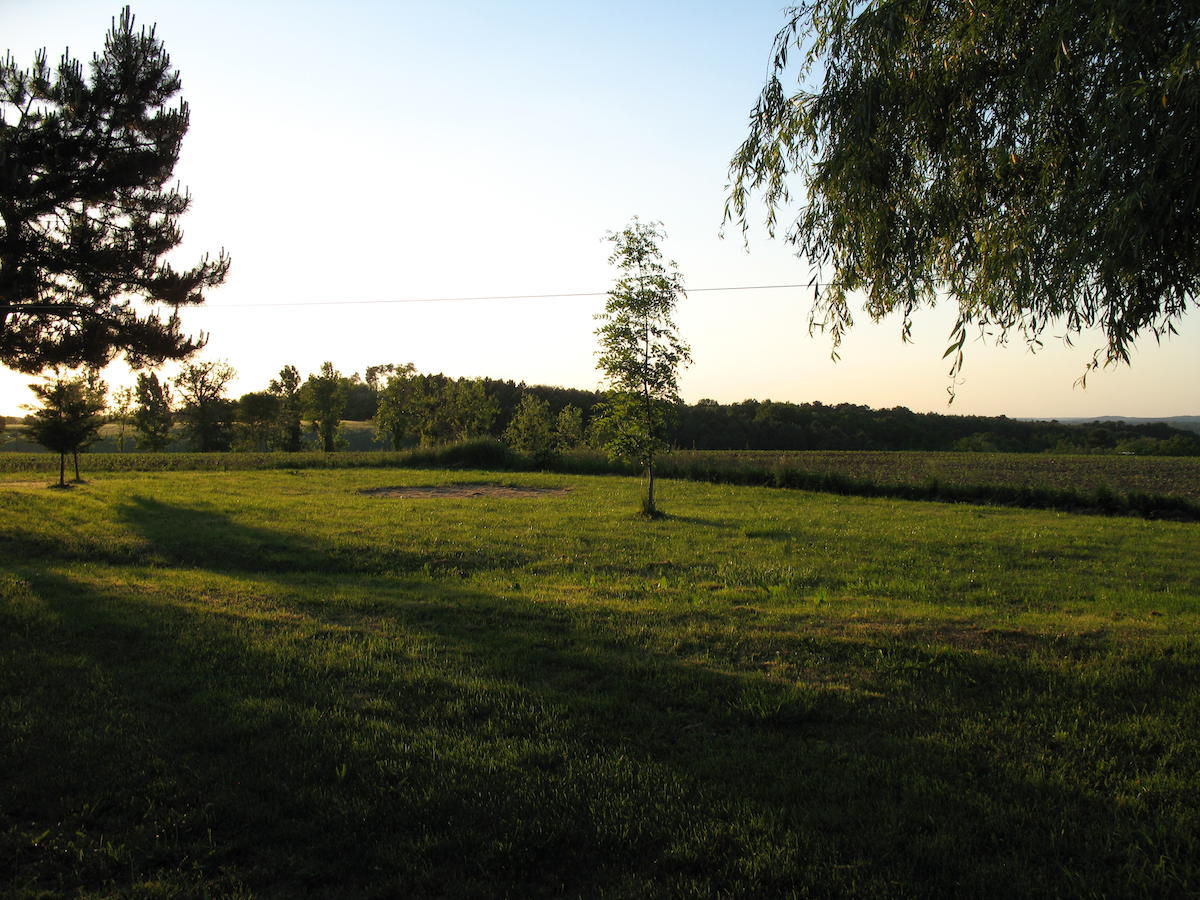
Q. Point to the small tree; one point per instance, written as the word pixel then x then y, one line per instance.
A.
pixel 640 352
pixel 435 399
pixel 287 435
pixel 206 412
pixel 70 416
pixel 152 417
pixel 256 416
pixel 122 414
pixel 397 414
pixel 568 428
pixel 472 408
pixel 324 398
pixel 531 430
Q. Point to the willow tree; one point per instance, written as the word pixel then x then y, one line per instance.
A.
pixel 1033 162
pixel 640 351
pixel 87 213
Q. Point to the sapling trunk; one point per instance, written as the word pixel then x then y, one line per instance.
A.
pixel 648 507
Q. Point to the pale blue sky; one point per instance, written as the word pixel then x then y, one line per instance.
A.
pixel 384 151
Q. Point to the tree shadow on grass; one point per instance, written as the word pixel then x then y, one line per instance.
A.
pixel 432 741
pixel 210 539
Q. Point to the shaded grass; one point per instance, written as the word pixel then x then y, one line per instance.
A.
pixel 264 683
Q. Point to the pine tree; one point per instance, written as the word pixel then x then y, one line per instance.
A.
pixel 69 418
pixel 86 214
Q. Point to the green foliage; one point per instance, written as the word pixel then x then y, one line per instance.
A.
pixel 324 397
pixel 568 428
pixel 452 409
pixel 85 211
pixel 472 408
pixel 121 413
pixel 206 413
pixel 398 409
pixel 362 400
pixel 532 431
pixel 70 416
pixel 479 453
pixel 152 417
pixel 257 415
pixel 1031 162
pixel 640 351
pixel 771 425
pixel 287 434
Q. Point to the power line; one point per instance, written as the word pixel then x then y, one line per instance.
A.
pixel 55 307
pixel 565 295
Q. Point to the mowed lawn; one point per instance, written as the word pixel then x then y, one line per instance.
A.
pixel 270 684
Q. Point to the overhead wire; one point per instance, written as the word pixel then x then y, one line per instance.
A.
pixel 54 307
pixel 561 294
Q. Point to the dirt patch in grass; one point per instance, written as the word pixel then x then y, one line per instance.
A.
pixel 483 489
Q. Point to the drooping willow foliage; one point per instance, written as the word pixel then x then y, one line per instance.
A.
pixel 1035 162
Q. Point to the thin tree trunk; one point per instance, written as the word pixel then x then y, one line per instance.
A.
pixel 62 470
pixel 648 507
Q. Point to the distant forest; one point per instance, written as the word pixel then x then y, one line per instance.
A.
pixel 769 425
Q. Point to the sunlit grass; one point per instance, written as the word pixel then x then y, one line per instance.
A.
pixel 270 683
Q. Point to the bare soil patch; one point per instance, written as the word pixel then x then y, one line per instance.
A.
pixel 446 491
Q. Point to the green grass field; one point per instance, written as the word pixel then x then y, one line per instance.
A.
pixel 266 683
pixel 1177 476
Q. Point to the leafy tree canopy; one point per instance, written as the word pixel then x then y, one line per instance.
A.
pixel 207 414
pixel 1033 161
pixel 85 211
pixel 70 415
pixel 640 350
pixel 398 407
pixel 531 430
pixel 288 433
pixel 324 397
pixel 152 419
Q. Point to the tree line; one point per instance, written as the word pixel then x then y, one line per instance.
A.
pixel 1027 177
pixel 409 408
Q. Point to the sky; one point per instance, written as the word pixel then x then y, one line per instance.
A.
pixel 360 161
